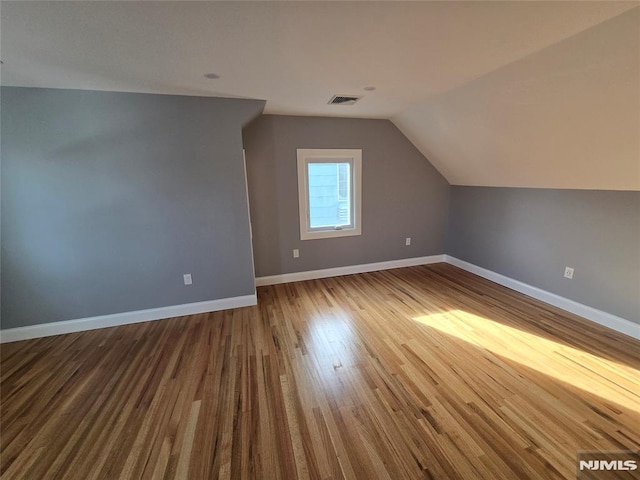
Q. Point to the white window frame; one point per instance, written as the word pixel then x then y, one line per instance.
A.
pixel 306 156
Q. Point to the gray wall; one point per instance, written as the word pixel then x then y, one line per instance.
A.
pixel 532 234
pixel 108 198
pixel 403 195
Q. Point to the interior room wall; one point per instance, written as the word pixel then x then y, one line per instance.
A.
pixel 403 195
pixel 531 235
pixel 109 198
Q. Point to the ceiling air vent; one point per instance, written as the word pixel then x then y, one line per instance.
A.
pixel 344 99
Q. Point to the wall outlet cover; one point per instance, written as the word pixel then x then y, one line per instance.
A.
pixel 568 272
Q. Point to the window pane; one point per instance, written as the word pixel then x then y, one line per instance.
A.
pixel 329 194
pixel 343 181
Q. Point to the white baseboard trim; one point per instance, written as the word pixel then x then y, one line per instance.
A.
pixel 104 321
pixel 619 324
pixel 349 270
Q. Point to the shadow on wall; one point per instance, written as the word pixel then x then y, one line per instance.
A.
pixel 264 188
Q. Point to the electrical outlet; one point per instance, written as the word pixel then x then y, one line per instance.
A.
pixel 407 241
pixel 296 253
pixel 568 272
pixel 187 279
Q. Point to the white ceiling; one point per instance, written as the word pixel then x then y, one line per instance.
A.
pixel 436 66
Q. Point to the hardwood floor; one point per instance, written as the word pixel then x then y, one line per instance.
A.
pixel 422 372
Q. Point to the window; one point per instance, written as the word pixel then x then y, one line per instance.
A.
pixel 329 193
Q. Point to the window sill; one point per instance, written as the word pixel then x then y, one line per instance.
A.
pixel 345 232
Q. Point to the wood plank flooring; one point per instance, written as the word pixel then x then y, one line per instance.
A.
pixel 421 372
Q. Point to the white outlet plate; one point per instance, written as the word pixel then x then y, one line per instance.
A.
pixel 568 272
pixel 187 279
pixel 296 253
pixel 407 241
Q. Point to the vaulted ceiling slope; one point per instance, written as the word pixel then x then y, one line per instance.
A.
pixel 567 116
pixel 540 94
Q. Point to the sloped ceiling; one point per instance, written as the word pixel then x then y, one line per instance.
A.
pixel 567 116
pixel 541 94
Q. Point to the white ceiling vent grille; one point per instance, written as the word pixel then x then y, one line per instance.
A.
pixel 344 99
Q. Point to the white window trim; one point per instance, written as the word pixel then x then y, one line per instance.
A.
pixel 308 155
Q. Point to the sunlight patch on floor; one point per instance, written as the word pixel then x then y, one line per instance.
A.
pixel 609 380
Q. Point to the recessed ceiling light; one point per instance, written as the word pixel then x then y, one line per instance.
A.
pixel 370 88
pixel 211 76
